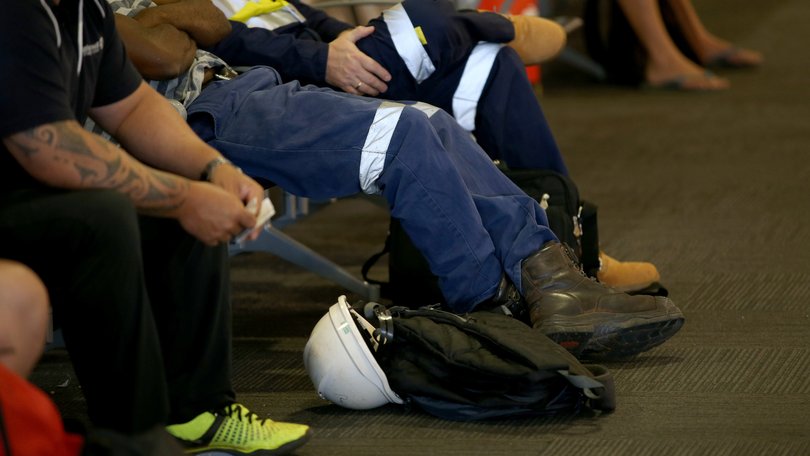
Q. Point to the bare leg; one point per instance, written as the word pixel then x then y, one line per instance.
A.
pixel 365 13
pixel 23 317
pixel 343 13
pixel 707 46
pixel 665 62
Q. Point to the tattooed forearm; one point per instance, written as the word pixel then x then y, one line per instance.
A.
pixel 80 159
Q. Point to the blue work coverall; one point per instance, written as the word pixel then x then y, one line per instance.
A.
pixel 469 220
pixel 461 67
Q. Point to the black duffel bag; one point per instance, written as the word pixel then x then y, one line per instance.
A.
pixel 484 365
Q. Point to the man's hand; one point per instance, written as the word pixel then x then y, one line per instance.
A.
pixel 352 71
pixel 213 215
pixel 243 187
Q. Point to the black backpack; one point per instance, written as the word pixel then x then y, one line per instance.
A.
pixel 410 282
pixel 483 365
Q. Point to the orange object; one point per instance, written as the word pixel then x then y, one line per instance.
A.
pixel 33 425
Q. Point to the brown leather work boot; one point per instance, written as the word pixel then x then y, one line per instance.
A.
pixel 627 276
pixel 587 318
pixel 537 39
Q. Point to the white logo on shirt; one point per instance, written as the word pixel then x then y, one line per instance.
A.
pixel 92 49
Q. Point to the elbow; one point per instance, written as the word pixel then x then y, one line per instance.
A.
pixel 214 35
pixel 161 70
pixel 161 67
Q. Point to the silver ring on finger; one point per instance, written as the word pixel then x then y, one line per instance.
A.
pixel 357 87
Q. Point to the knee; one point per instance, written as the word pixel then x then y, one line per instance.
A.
pixel 437 121
pixel 414 128
pixel 109 219
pixel 23 293
pixel 23 317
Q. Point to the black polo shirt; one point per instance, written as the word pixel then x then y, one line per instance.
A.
pixel 56 62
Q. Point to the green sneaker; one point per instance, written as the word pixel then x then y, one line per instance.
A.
pixel 236 430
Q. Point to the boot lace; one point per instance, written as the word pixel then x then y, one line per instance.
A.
pixel 574 261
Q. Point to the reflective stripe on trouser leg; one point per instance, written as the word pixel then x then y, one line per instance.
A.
pixel 510 125
pixel 372 158
pixel 428 109
pixel 468 92
pixel 407 43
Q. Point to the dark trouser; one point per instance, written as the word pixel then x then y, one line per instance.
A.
pixel 470 221
pixel 148 347
pixel 509 122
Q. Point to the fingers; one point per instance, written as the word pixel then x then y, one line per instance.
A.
pixel 214 215
pixel 361 32
pixel 371 81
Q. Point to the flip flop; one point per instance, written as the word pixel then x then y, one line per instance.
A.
pixel 681 83
pixel 732 57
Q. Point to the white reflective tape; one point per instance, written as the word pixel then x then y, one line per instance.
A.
pixel 229 7
pixel 372 157
pixel 266 14
pixel 468 92
pixel 407 42
pixel 276 19
pixel 428 109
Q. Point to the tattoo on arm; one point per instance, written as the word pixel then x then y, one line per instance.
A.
pixel 97 163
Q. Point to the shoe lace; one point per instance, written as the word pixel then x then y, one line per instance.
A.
pixel 241 413
pixel 569 252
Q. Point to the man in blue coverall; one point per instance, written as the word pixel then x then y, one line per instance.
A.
pixel 424 50
pixel 458 61
pixel 472 224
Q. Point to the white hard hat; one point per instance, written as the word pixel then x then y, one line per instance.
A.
pixel 340 363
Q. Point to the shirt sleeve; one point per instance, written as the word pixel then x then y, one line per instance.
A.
pixel 117 77
pixel 293 58
pixel 33 89
pixel 36 84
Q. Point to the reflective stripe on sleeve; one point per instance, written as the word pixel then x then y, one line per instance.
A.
pixel 407 43
pixel 468 92
pixel 372 157
pixel 266 14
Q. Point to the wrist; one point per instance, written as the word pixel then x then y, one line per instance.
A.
pixel 211 166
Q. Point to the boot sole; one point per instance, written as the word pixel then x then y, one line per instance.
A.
pixel 604 337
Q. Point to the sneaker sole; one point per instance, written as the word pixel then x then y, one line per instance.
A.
pixel 283 449
pixel 603 337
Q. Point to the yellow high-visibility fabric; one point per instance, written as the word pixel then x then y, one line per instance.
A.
pixel 258 8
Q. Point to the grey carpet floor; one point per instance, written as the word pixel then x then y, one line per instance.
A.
pixel 712 188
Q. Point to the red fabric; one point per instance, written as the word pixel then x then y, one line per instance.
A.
pixel 33 424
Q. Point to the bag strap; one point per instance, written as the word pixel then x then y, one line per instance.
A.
pixel 385 287
pixel 598 388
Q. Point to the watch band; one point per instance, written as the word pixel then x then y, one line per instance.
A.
pixel 211 166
